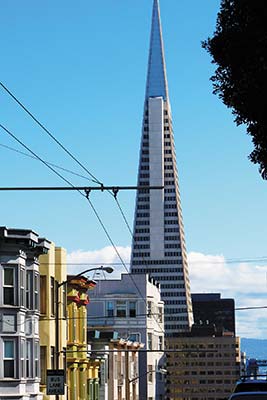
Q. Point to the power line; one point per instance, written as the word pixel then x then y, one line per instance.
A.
pixel 90 203
pixel 128 263
pixel 35 155
pixel 87 189
pixel 49 163
pixel 49 133
pixel 118 254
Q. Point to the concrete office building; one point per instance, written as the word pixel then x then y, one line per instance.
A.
pixel 132 307
pixel 210 308
pixel 202 367
pixel 159 245
pixel 19 313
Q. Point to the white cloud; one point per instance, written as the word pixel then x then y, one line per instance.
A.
pixel 102 256
pixel 244 282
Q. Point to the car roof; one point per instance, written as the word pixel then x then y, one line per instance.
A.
pixel 255 385
pixel 248 396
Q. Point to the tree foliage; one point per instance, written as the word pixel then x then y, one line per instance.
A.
pixel 239 48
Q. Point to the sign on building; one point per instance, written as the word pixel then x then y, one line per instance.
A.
pixel 55 381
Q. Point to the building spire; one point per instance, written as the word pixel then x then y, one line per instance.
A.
pixel 156 85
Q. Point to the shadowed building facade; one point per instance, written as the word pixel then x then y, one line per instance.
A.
pixel 158 246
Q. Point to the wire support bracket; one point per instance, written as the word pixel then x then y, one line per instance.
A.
pixel 86 189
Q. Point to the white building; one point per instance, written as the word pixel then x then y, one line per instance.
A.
pixel 19 314
pixel 158 245
pixel 132 307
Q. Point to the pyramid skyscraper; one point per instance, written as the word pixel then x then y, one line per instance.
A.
pixel 159 245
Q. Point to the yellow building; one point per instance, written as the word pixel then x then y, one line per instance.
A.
pixel 202 368
pixel 82 373
pixel 52 270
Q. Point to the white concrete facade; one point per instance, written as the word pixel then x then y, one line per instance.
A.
pixel 132 307
pixel 158 246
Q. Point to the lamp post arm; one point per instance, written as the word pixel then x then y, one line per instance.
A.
pixel 80 274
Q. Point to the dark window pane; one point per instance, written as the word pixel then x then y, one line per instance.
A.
pixel 9 369
pixel 9 296
pixel 43 364
pixel 9 276
pixel 43 295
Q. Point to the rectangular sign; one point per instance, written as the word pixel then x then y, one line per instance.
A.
pixel 55 381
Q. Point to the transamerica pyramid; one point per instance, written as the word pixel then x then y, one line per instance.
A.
pixel 158 246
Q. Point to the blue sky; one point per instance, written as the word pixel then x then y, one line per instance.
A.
pixel 80 67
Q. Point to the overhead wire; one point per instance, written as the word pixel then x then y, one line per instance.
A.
pixel 39 158
pixel 52 164
pixel 80 164
pixel 49 133
pixel 89 201
pixel 119 256
pixel 42 318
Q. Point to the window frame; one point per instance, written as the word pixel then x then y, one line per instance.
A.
pixel 132 311
pixel 43 294
pixel 23 358
pixel 110 310
pixel 8 359
pixel 121 308
pixel 36 291
pixel 52 296
pixel 22 286
pixel 7 287
pixel 28 358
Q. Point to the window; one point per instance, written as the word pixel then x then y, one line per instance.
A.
pixel 9 289
pixel 52 296
pixel 43 364
pixel 132 309
pixel 28 358
pixel 149 308
pixel 135 337
pixel 36 291
pixel 22 358
pixel 149 341
pixel 52 357
pixel 160 342
pixel 22 287
pixel 160 314
pixel 64 301
pixel 9 323
pixel 43 294
pixel 9 358
pixel 150 373
pixel 110 309
pixel 36 359
pixel 121 309
pixel 64 359
pixel 29 291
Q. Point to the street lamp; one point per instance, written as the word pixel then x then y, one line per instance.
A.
pixel 58 285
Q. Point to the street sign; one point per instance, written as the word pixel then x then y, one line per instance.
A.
pixel 55 381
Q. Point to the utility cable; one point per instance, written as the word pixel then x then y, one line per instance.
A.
pixel 49 133
pixel 123 216
pixel 39 158
pixel 90 203
pixel 52 164
pixel 119 256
